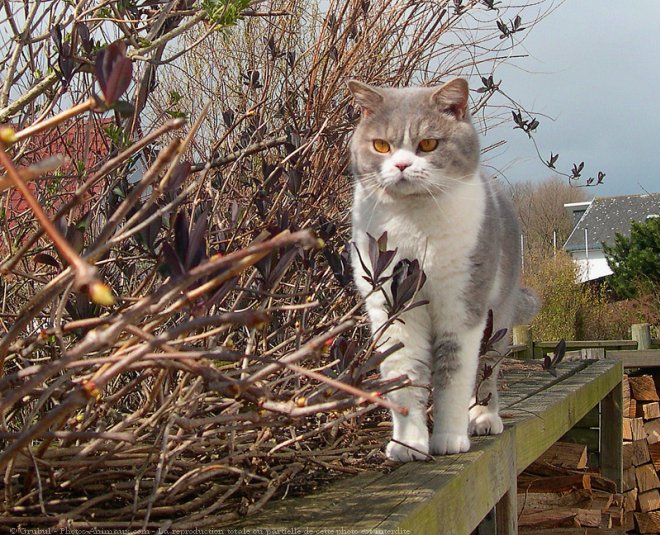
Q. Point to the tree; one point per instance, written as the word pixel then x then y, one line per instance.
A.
pixel 543 218
pixel 635 260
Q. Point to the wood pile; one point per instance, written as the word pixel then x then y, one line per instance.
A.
pixel 641 451
pixel 558 493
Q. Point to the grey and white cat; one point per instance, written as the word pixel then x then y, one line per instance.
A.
pixel 415 160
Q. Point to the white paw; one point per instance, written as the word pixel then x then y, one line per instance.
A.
pixel 484 422
pixel 445 443
pixel 397 451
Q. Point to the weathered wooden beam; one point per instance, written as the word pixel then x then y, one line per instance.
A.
pixel 583 344
pixel 611 435
pixel 649 358
pixel 453 494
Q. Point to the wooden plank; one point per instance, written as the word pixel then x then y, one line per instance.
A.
pixel 549 415
pixel 583 344
pixel 449 495
pixel 649 358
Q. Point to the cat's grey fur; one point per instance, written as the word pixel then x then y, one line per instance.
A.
pixel 437 208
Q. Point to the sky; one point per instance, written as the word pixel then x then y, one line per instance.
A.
pixel 594 69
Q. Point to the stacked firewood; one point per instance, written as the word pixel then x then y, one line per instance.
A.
pixel 641 451
pixel 559 494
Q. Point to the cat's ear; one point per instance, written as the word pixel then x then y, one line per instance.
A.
pixel 365 95
pixel 452 97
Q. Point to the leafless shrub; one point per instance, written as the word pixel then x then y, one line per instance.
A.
pixel 180 343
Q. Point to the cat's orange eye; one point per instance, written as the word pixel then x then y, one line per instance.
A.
pixel 382 146
pixel 427 145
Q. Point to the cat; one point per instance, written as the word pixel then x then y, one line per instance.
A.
pixel 415 161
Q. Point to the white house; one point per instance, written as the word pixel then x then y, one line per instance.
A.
pixel 599 221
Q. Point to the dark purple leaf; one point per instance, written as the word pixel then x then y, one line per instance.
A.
pixel 46 259
pixel 197 241
pixel 83 35
pixel 180 173
pixel 113 71
pixel 181 234
pixel 172 261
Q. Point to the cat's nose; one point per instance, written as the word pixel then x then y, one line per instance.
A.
pixel 402 166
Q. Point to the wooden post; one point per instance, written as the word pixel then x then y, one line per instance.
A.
pixel 522 335
pixel 611 435
pixel 641 332
pixel 506 510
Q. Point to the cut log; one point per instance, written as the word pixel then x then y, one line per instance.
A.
pixel 652 428
pixel 556 484
pixel 647 478
pixel 627 454
pixel 588 518
pixel 534 502
pixel 627 429
pixel 638 428
pixel 557 518
pixel 651 410
pixel 601 500
pixel 625 385
pixel 630 500
pixel 640 452
pixel 554 518
pixel 566 454
pixel 649 501
pixel 629 480
pixel 648 522
pixel 643 388
pixel 654 452
pixel 616 517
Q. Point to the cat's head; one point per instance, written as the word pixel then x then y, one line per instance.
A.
pixel 414 140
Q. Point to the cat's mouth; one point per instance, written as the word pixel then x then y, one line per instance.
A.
pixel 404 186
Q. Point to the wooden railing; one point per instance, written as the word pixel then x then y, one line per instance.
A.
pixel 640 351
pixel 457 494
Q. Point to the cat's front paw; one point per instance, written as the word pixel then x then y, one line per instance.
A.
pixel 447 443
pixel 485 422
pixel 400 452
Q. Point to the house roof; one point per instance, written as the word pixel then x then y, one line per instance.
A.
pixel 607 216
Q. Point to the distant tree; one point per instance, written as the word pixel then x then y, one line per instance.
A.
pixel 543 217
pixel 635 260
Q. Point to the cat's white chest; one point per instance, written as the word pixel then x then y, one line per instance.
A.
pixel 440 233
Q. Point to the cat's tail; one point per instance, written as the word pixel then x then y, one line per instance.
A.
pixel 527 306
